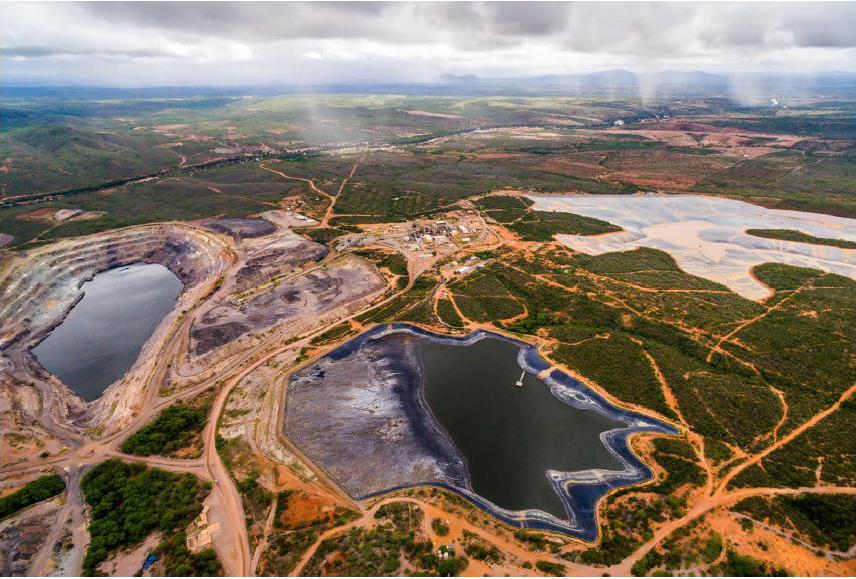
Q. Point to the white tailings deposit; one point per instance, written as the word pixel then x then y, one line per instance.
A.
pixel 707 235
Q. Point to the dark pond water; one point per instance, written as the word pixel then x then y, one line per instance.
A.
pixel 510 435
pixel 102 336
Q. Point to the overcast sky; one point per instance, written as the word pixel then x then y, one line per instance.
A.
pixel 225 43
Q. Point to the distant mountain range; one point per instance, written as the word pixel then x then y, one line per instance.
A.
pixel 744 87
pixel 620 82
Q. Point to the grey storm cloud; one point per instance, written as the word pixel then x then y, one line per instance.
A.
pixel 340 41
pixel 49 51
pixel 585 26
pixel 259 21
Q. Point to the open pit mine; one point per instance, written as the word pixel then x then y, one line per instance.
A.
pixel 244 288
pixel 42 286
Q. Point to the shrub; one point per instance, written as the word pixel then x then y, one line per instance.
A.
pixel 33 492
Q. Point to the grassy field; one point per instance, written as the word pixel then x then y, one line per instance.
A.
pixel 535 144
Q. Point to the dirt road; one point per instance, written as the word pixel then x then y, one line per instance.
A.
pixel 231 541
pixel 711 503
pixel 227 508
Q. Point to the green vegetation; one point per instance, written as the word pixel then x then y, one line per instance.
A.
pixel 804 348
pixel 480 550
pixel 404 185
pixel 332 334
pixel 618 324
pixel 826 520
pixel 256 500
pixel 793 235
pixel 282 500
pixel 484 295
pixel 712 547
pixel 33 492
pixel 539 225
pixel 832 125
pixel 324 234
pixel 230 191
pixel 647 267
pixel 737 565
pixel 550 568
pixel 380 550
pixel 535 541
pixel 791 180
pixel 412 305
pixel 504 208
pixel 131 501
pixel 285 550
pixel 643 566
pixel 174 429
pixel 290 539
pixel 237 455
pixel 631 322
pixel 395 263
pixel 679 462
pixel 615 323
pixel 181 562
pixel 441 528
pixel 53 158
pixel 447 313
pixel 543 225
pixel 617 542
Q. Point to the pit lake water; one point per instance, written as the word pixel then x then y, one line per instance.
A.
pixel 510 435
pixel 103 334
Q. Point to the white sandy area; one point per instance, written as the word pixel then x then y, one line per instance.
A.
pixel 707 235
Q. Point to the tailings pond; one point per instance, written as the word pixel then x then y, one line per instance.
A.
pixel 708 236
pixel 103 334
pixel 510 435
pixel 399 406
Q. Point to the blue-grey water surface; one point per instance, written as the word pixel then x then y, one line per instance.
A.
pixel 510 435
pixel 102 336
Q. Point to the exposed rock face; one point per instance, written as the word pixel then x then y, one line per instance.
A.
pixel 208 338
pixel 21 539
pixel 243 227
pixel 39 287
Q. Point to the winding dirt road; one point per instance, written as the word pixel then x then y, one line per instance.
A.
pixel 226 506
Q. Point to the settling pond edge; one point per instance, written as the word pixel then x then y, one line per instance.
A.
pixel 579 491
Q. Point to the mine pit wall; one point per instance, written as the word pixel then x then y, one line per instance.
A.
pixel 38 288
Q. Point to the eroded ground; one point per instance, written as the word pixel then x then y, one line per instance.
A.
pixel 308 249
pixel 304 299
